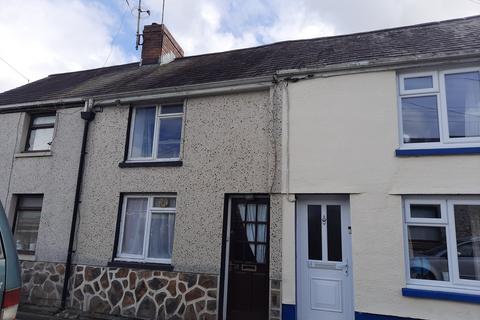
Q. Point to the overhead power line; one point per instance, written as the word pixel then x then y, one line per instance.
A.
pixel 14 69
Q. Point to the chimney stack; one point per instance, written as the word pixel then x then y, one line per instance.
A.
pixel 159 46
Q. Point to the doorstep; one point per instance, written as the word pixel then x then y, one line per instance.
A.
pixel 33 312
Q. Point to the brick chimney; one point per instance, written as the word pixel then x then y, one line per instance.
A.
pixel 159 46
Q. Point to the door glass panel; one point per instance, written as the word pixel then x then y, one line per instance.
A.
pixel 261 254
pixel 314 232
pixel 334 233
pixel 262 213
pixel 251 211
pixel 467 229
pixel 428 253
pixel 261 233
pixel 463 104
pixel 427 211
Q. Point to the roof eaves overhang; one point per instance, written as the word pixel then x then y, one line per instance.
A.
pixel 394 63
pixel 211 88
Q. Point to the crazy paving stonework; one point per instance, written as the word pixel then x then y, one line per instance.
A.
pixel 144 294
pixel 42 282
pixel 275 299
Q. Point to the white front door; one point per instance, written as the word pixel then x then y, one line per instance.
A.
pixel 324 259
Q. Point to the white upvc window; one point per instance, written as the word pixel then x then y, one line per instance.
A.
pixel 442 241
pixel 147 227
pixel 440 109
pixel 156 133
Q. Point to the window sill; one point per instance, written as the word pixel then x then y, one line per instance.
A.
pixel 26 257
pixel 140 265
pixel 142 164
pixel 32 154
pixel 436 152
pixel 441 295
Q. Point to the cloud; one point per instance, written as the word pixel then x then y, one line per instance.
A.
pixel 41 37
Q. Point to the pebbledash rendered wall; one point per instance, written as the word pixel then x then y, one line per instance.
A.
pixel 343 137
pixel 229 147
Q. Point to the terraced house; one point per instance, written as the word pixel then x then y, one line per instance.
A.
pixel 330 178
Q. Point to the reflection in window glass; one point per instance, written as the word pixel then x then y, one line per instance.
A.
pixel 420 119
pixel 425 211
pixel 428 253
pixel 169 138
pixel 463 104
pixel 41 133
pixel 416 83
pixel 467 229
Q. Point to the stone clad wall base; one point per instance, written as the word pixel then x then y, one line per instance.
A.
pixel 275 299
pixel 144 293
pixel 42 283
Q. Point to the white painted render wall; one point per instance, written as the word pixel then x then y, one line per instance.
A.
pixel 343 135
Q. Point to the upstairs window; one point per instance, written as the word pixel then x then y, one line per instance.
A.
pixel 156 133
pixel 40 132
pixel 440 109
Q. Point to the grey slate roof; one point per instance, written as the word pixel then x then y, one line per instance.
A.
pixel 449 37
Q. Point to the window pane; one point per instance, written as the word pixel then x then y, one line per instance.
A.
pixel 420 119
pixel 40 139
pixel 169 138
pixel 261 232
pixel 428 253
pixel 315 232
pixel 463 104
pixel 251 212
pixel 428 211
pixel 134 229
pixel 26 229
pixel 262 213
pixel 37 120
pixel 142 140
pixel 418 83
pixel 164 202
pixel 161 235
pixel 261 253
pixel 176 108
pixel 467 229
pixel 334 233
pixel 30 202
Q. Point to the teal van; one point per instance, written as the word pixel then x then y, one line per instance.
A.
pixel 10 282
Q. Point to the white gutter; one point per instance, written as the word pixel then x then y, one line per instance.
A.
pixel 228 86
pixel 179 93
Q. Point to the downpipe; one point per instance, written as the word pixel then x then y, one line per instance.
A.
pixel 87 115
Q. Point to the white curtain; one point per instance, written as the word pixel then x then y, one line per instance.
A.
pixel 144 126
pixel 134 226
pixel 472 105
pixel 161 235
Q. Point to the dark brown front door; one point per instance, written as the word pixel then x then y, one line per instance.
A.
pixel 248 260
